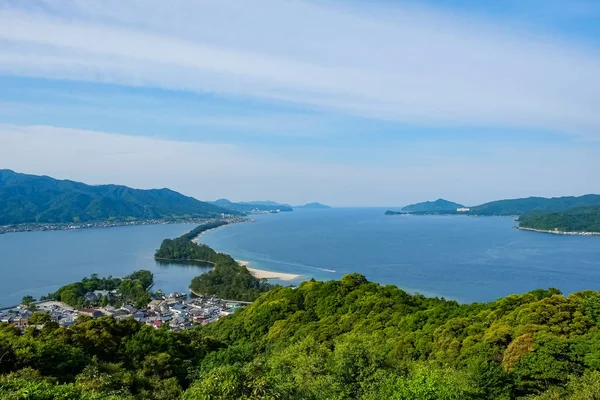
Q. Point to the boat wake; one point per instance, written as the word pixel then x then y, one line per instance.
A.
pixel 304 266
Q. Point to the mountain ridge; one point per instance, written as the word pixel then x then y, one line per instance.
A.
pixel 27 198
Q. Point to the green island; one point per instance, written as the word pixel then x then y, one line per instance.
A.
pixel 439 205
pixel 227 280
pixel 575 220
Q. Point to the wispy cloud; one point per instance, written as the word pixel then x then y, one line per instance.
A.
pixel 409 64
pixel 212 170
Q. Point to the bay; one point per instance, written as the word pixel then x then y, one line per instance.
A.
pixel 36 263
pixel 459 257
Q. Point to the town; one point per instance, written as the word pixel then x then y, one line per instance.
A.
pixel 36 227
pixel 175 312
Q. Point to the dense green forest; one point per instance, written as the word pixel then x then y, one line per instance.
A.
pixel 133 289
pixel 348 339
pixel 531 204
pixel 227 280
pixel 41 199
pixel 580 219
pixel 432 206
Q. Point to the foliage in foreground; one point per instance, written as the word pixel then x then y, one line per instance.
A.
pixel 347 339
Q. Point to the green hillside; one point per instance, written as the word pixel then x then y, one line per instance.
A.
pixel 347 339
pixel 580 219
pixel 433 206
pixel 530 204
pixel 30 199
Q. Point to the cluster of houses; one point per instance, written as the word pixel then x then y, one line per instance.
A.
pixel 177 311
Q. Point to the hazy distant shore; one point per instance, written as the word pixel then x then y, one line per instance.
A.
pixel 66 226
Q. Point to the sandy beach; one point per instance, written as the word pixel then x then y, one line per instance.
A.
pixel 262 274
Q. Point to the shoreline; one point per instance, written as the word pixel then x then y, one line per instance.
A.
pixel 264 274
pixel 569 233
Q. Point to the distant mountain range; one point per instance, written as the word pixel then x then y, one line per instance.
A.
pixel 264 205
pixel 433 206
pixel 41 199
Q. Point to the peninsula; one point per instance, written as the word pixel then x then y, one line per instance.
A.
pixel 509 207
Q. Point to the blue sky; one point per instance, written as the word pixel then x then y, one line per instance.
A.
pixel 351 103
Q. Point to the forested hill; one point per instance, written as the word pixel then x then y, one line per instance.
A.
pixel 31 198
pixel 348 339
pixel 530 204
pixel 580 219
pixel 433 206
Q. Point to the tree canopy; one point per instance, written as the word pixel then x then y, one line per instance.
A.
pixel 347 339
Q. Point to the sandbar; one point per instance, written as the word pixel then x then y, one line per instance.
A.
pixel 262 274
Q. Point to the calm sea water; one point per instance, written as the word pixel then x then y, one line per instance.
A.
pixel 37 263
pixel 458 257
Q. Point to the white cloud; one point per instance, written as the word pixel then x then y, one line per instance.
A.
pixel 403 63
pixel 209 171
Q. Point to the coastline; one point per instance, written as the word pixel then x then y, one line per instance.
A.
pixel 558 232
pixel 264 274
